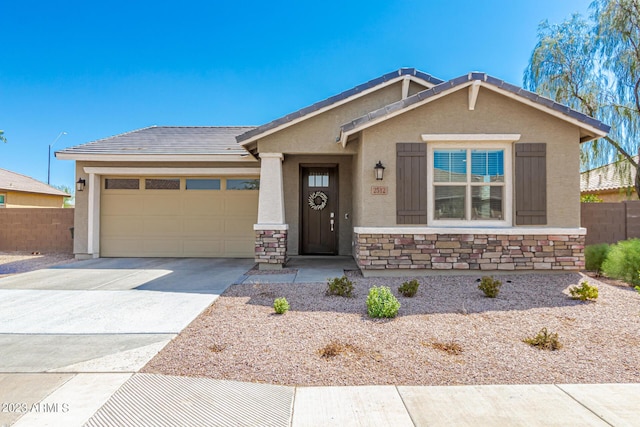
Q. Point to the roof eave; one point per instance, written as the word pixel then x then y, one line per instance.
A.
pixel 108 157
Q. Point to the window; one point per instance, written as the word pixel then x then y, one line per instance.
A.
pixel 162 184
pixel 203 184
pixel 121 184
pixel 318 179
pixel 469 184
pixel 2 200
pixel 243 184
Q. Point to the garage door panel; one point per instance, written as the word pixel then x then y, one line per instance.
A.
pixel 197 226
pixel 162 204
pixel 203 248
pixel 121 204
pixel 178 223
pixel 208 203
pixel 122 226
pixel 162 226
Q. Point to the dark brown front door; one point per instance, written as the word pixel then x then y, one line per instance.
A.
pixel 319 202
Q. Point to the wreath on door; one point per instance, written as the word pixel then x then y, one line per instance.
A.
pixel 317 200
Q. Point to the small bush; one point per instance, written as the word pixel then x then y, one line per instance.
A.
pixel 623 261
pixel 590 198
pixel 382 303
pixel 280 305
pixel 584 292
pixel 544 340
pixel 594 256
pixel 409 289
pixel 341 286
pixel 490 286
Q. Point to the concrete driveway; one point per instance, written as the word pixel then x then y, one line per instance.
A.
pixel 97 316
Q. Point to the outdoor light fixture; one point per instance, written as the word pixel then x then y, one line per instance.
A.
pixel 80 184
pixel 378 171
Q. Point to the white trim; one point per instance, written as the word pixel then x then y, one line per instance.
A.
pixel 258 227
pixel 469 137
pixel 93 215
pixel 173 171
pixel 158 157
pixel 598 133
pixel 473 94
pixel 345 135
pixel 336 104
pixel 509 231
pixel 405 87
pixel 272 156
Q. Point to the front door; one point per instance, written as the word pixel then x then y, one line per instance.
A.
pixel 319 202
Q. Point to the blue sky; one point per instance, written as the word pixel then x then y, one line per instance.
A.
pixel 96 69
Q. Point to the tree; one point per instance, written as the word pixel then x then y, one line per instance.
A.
pixel 593 66
pixel 69 202
pixel 2 138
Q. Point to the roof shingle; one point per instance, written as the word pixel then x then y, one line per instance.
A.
pixel 12 181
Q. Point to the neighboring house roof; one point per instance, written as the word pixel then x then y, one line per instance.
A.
pixel 612 176
pixel 12 181
pixel 423 78
pixel 164 140
pixel 593 127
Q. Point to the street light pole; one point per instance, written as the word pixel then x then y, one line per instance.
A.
pixel 49 159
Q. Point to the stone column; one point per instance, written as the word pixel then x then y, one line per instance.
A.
pixel 271 229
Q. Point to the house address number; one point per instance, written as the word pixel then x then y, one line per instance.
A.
pixel 379 191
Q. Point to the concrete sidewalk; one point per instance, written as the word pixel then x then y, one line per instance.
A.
pixel 158 400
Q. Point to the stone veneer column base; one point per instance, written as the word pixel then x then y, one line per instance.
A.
pixel 270 248
pixel 550 252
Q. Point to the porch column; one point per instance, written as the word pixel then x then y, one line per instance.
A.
pixel 93 220
pixel 271 229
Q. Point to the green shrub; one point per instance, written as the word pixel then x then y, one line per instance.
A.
pixel 490 286
pixel 382 303
pixel 594 256
pixel 544 340
pixel 409 289
pixel 590 198
pixel 623 261
pixel 584 292
pixel 341 286
pixel 280 305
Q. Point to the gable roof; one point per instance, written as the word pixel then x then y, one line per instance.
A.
pixel 613 176
pixel 12 181
pixel 154 142
pixel 336 100
pixel 593 128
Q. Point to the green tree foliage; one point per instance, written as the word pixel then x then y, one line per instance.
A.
pixel 69 202
pixel 2 138
pixel 593 66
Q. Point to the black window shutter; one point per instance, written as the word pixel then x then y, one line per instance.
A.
pixel 531 183
pixel 411 183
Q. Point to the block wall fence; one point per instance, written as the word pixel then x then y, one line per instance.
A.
pixel 36 230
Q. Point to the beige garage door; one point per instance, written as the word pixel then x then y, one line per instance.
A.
pixel 178 217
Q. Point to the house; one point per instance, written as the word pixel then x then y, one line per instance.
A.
pixel 613 182
pixel 21 191
pixel 406 172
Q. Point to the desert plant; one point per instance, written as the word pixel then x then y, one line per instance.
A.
pixel 410 288
pixel 382 303
pixel 341 286
pixel 584 292
pixel 450 347
pixel 281 305
pixel 544 340
pixel 623 261
pixel 594 256
pixel 490 286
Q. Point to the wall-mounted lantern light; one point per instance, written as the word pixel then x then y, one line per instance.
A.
pixel 378 171
pixel 80 184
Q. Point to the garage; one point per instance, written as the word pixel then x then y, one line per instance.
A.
pixel 190 216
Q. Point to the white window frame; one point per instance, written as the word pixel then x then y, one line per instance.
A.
pixel 467 144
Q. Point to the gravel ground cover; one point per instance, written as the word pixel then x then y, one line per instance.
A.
pixel 449 333
pixel 21 262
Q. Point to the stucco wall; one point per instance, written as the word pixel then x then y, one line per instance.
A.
pixel 317 135
pixel 291 175
pixel 493 114
pixel 18 199
pixel 81 206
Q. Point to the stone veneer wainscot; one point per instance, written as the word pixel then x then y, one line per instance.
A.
pixel 271 248
pixel 559 249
